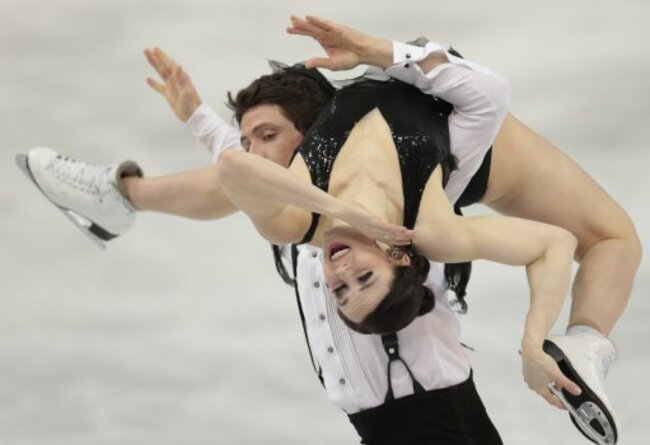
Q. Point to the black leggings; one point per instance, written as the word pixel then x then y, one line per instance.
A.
pixel 448 416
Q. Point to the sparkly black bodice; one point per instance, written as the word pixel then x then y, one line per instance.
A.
pixel 418 124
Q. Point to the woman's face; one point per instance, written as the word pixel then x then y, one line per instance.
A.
pixel 357 271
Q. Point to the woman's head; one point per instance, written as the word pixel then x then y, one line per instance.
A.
pixel 378 289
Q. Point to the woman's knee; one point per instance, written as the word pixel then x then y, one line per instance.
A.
pixel 619 231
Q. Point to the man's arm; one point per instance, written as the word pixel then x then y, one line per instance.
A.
pixel 195 194
pixel 480 97
pixel 183 98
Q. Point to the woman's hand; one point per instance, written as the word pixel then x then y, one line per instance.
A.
pixel 540 371
pixel 373 227
pixel 346 48
pixel 177 87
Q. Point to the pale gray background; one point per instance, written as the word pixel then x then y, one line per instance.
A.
pixel 180 333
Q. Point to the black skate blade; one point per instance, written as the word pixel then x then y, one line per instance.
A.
pixel 588 413
pixel 91 230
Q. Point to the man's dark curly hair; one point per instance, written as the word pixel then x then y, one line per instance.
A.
pixel 299 92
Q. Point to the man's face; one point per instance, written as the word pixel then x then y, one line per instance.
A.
pixel 266 132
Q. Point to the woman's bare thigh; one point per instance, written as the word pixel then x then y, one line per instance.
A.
pixel 531 178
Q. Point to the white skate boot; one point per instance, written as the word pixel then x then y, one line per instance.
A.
pixel 90 196
pixel 585 358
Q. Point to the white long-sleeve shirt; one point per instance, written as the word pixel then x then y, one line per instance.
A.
pixel 354 365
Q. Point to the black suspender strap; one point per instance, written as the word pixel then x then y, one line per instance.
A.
pixel 294 264
pixel 391 346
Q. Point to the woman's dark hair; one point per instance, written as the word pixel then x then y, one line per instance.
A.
pixel 301 93
pixel 280 267
pixel 407 299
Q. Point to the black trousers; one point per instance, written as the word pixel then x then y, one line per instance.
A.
pixel 448 416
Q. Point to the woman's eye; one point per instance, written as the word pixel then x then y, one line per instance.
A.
pixel 268 137
pixel 338 291
pixel 365 277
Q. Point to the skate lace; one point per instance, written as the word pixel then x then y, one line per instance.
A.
pixel 81 175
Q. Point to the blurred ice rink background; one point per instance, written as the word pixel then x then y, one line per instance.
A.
pixel 181 333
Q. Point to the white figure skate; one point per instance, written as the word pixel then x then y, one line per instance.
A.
pixel 88 195
pixel 585 359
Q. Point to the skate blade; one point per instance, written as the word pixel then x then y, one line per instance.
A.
pixel 584 416
pixel 587 407
pixel 85 225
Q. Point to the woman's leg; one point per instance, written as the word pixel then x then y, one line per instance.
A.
pixel 194 194
pixel 531 178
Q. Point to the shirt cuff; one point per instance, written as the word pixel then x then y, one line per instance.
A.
pixel 212 131
pixel 406 56
pixel 203 118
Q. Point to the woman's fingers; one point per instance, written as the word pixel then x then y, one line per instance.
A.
pixel 562 382
pixel 397 235
pixel 548 395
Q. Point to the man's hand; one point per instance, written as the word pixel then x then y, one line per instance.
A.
pixel 177 87
pixel 540 371
pixel 346 48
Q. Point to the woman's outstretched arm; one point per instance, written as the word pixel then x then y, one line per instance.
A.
pixel 545 250
pixel 547 253
pixel 280 202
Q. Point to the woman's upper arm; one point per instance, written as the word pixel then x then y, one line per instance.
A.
pixel 441 235
pixel 503 239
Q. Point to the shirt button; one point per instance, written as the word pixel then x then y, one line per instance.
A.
pixel 314 254
pixel 316 284
pixel 407 65
pixel 342 381
pixel 330 350
pixel 408 55
pixel 322 316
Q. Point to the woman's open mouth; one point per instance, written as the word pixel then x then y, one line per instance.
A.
pixel 338 250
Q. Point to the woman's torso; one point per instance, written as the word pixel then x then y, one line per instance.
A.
pixel 376 143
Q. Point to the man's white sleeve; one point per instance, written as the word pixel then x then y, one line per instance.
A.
pixel 212 131
pixel 480 98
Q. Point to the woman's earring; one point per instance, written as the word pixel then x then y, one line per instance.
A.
pixel 394 253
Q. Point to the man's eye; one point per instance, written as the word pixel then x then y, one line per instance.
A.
pixel 268 137
pixel 365 277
